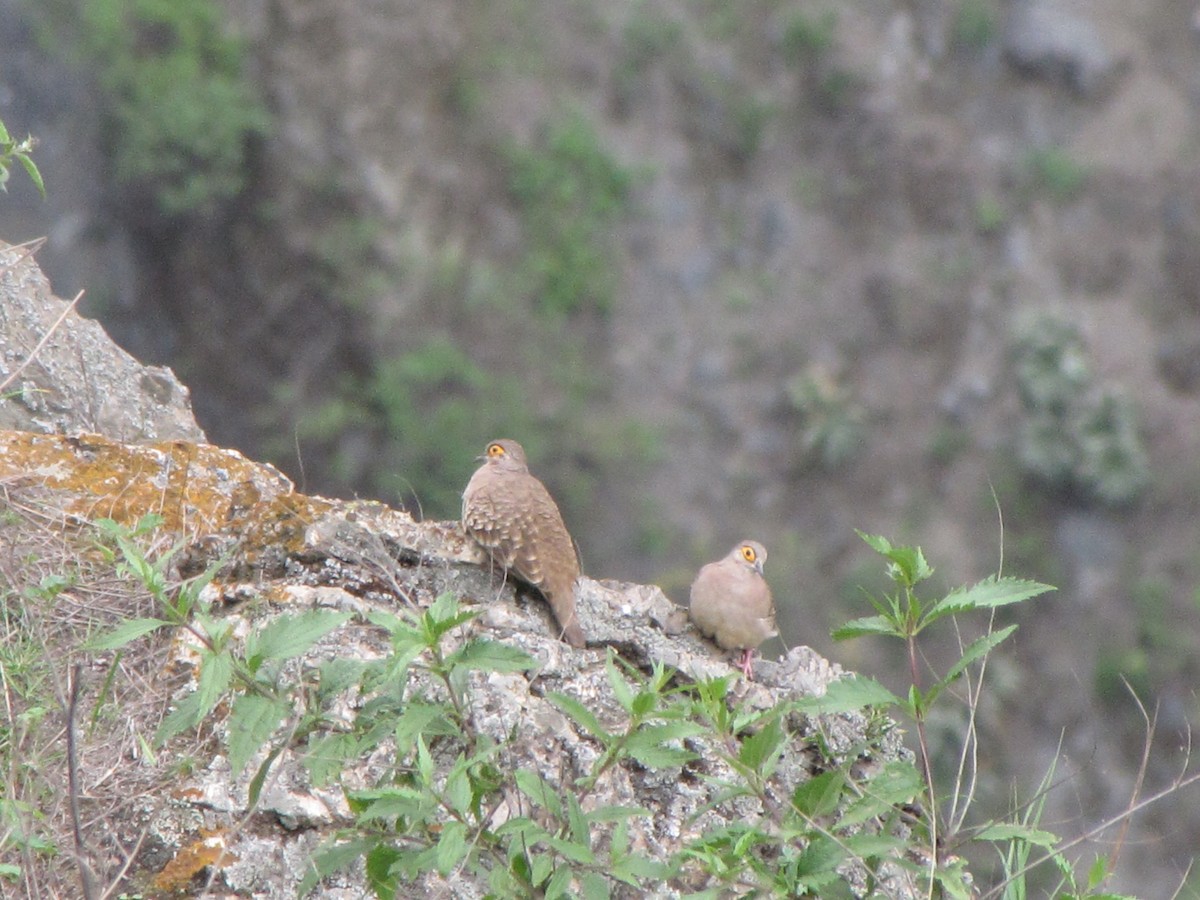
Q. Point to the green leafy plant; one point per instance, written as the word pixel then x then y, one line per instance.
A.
pixel 182 111
pixel 1021 843
pixel 251 673
pixel 1077 434
pixel 1052 171
pixel 975 25
pixel 571 193
pixel 12 150
pixel 433 809
pixel 833 425
pixel 808 37
pixel 420 817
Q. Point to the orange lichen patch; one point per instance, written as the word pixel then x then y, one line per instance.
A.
pixel 208 849
pixel 279 524
pixel 196 488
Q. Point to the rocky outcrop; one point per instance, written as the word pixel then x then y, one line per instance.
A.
pixel 60 372
pixel 280 553
pixel 99 532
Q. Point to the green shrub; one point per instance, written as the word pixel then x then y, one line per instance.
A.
pixel 571 193
pixel 181 110
pixel 1076 435
pixel 808 36
pixel 833 425
pixel 1051 171
pixel 975 25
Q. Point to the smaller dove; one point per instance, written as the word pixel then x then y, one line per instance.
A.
pixel 731 602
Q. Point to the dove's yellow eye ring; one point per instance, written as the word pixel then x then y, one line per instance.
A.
pixel 748 553
pixel 495 451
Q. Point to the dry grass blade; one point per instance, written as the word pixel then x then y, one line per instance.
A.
pixel 67 777
pixel 24 250
pixel 40 344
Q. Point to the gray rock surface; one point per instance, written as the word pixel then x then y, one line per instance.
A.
pixel 60 372
pixel 1047 40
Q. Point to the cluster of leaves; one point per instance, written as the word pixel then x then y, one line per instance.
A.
pixel 441 817
pixel 833 425
pixel 571 193
pixel 1021 844
pixel 444 805
pixel 12 150
pixel 182 112
pixel 434 809
pixel 1078 435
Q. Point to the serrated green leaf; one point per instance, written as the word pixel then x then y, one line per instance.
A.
pixel 289 636
pixel 452 846
pixel 821 856
pixel 529 831
pixel 185 715
pixel 897 783
pixel 216 673
pixel 34 175
pixel 442 617
pixel 336 675
pixel 424 762
pixel 387 804
pixel 977 648
pixel 759 749
pixel 253 719
pixel 909 566
pixel 819 795
pixel 581 715
pixel 632 867
pixel 1098 872
pixel 1014 831
pixel 648 744
pixel 620 687
pixel 327 755
pixel 333 857
pixel 580 833
pixel 127 631
pixel 577 853
pixel 379 862
pixel 987 594
pixel 644 703
pixel 458 788
pixel 416 720
pixel 491 656
pixel 559 883
pixel 865 627
pixel 595 886
pixel 260 776
pixel 541 865
pixel 867 846
pixel 533 786
pixel 849 694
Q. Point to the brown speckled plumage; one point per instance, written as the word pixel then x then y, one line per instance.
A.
pixel 731 602
pixel 513 517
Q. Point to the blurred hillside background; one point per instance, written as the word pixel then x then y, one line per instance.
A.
pixel 776 269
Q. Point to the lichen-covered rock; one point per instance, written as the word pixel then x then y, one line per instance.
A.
pixel 274 553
